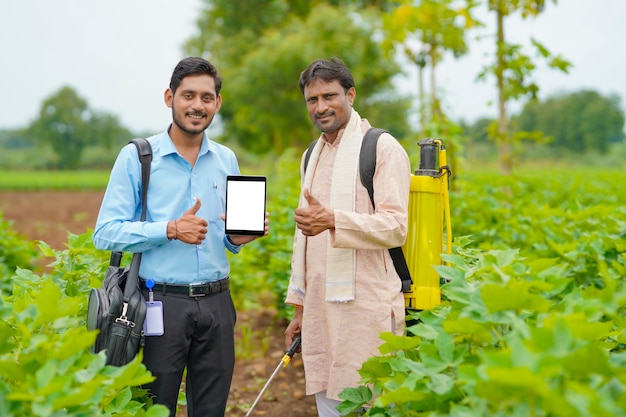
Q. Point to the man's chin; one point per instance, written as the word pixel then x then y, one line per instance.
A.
pixel 193 128
pixel 325 127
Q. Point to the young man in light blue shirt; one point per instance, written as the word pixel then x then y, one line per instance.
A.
pixel 183 242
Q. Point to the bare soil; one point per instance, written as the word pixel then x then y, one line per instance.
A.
pixel 50 215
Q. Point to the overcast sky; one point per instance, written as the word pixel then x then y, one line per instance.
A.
pixel 119 55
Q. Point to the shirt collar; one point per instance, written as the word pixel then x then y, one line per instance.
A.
pixel 337 139
pixel 168 147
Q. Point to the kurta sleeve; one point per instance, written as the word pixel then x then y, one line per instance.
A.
pixel 386 227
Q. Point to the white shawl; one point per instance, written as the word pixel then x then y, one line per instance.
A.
pixel 340 262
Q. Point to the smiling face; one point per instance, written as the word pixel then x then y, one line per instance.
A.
pixel 194 104
pixel 329 106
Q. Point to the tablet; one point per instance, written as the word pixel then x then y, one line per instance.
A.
pixel 245 205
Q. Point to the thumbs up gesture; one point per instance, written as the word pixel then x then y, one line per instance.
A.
pixel 190 228
pixel 315 218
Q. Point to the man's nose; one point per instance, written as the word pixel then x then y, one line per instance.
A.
pixel 197 103
pixel 322 106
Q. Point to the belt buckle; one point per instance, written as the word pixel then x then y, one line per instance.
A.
pixel 194 287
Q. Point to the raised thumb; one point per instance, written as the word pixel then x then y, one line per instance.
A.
pixel 196 206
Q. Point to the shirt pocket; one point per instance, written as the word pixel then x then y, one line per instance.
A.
pixel 217 202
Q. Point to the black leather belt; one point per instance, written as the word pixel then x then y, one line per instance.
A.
pixel 192 290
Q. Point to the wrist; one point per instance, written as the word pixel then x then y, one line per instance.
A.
pixel 172 230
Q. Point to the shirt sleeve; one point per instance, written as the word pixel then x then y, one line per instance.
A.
pixel 118 226
pixel 387 225
pixel 231 247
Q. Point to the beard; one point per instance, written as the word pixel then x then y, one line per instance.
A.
pixel 331 125
pixel 180 119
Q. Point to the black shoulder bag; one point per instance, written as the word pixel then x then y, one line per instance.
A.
pixel 118 309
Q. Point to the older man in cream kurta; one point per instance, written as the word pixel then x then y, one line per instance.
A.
pixel 339 331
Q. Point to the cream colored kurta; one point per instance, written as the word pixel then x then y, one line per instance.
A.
pixel 337 337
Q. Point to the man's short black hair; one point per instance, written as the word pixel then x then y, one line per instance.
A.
pixel 327 70
pixel 194 65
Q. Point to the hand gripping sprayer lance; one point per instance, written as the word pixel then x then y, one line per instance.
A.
pixel 295 344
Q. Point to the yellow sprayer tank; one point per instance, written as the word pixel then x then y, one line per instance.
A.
pixel 428 208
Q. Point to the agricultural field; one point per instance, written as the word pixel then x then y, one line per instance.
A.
pixel 49 215
pixel 531 323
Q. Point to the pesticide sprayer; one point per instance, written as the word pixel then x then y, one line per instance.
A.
pixel 429 207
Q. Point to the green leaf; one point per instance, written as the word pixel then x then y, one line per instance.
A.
pixel 589 359
pixel 45 374
pixel 157 411
pixel 514 296
pixel 356 395
pixel 353 399
pixel 375 368
pixel 450 273
pixel 402 395
pixel 394 343
pixel 479 332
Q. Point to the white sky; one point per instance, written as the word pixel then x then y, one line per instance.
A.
pixel 119 55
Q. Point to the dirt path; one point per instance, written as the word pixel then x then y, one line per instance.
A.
pixel 50 215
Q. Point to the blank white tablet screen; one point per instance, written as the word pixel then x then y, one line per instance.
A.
pixel 245 205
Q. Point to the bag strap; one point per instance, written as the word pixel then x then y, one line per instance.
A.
pixel 367 167
pixel 144 150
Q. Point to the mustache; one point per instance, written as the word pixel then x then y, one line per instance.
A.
pixel 326 113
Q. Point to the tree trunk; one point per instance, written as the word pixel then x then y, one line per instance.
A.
pixel 422 97
pixel 502 138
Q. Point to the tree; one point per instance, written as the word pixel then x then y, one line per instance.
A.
pixel 62 125
pixel 261 61
pixel 513 70
pixel 108 130
pixel 68 125
pixel 425 30
pixel 581 121
pixel 477 131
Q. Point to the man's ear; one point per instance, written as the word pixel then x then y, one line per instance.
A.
pixel 168 97
pixel 219 103
pixel 351 93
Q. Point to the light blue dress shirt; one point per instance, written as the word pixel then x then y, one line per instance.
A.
pixel 174 184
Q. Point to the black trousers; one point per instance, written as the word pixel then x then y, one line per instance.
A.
pixel 198 334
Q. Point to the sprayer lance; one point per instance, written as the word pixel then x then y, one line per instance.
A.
pixel 286 359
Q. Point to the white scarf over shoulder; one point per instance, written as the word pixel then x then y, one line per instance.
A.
pixel 340 262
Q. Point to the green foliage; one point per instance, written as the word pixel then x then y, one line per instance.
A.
pixel 54 180
pixel 531 323
pixel 532 318
pixel 425 31
pixel 579 122
pixel 46 368
pixel 69 126
pixel 15 252
pixel 263 107
pixel 262 269
pixel 62 124
pixel 513 70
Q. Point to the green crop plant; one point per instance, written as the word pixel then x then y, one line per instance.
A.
pixel 532 319
pixel 46 368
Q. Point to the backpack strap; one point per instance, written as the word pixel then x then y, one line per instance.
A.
pixel 367 160
pixel 367 167
pixel 308 154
